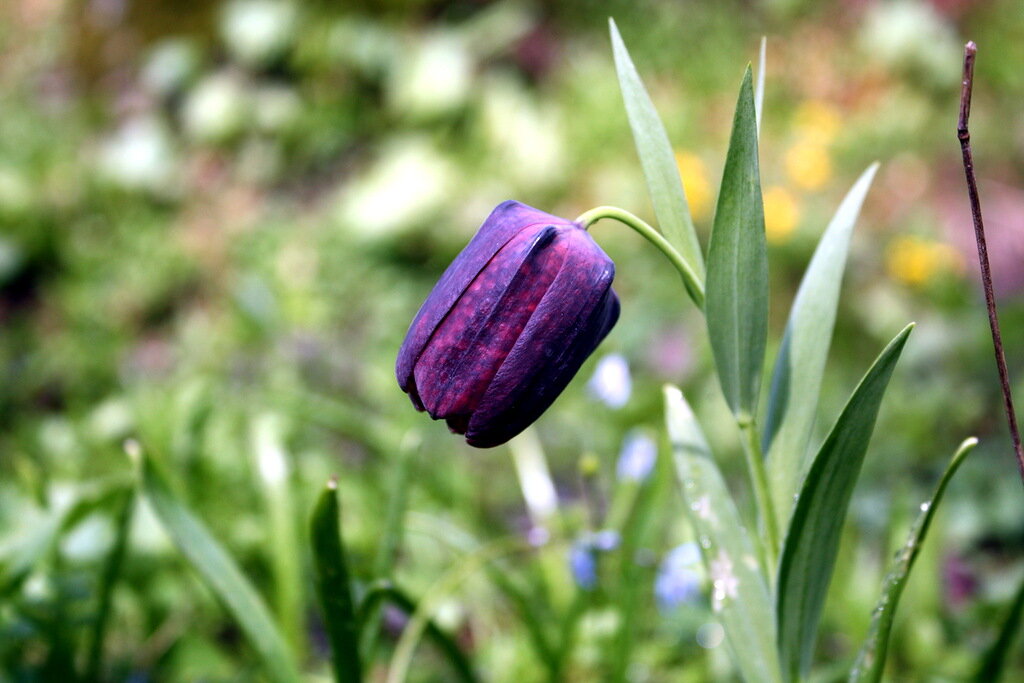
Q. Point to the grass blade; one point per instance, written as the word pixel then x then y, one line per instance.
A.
pixel 218 571
pixel 737 280
pixel 990 670
pixel 394 529
pixel 800 364
pixel 812 542
pixel 22 549
pixel 334 587
pixel 384 591
pixel 401 660
pixel 658 161
pixel 529 600
pixel 740 595
pixel 111 571
pixel 273 471
pixel 871 658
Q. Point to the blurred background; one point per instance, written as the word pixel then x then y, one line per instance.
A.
pixel 218 218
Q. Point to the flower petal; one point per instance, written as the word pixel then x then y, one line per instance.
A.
pixel 471 343
pixel 507 219
pixel 576 313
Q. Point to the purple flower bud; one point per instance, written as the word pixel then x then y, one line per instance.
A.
pixel 508 325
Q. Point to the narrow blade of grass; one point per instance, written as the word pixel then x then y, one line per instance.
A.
pixel 217 570
pixel 111 572
pixel 394 527
pixel 273 472
pixel 384 591
pixel 871 659
pixel 334 586
pixel 528 601
pixel 993 662
pixel 812 542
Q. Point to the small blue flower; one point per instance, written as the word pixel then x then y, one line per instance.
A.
pixel 611 382
pixel 605 540
pixel 583 555
pixel 679 577
pixel 637 458
pixel 583 564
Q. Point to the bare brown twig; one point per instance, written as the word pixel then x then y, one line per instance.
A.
pixel 970 50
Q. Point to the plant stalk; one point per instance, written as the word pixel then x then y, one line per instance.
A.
pixel 964 135
pixel 693 284
pixel 762 495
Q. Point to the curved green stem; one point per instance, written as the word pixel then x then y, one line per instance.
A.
pixel 694 286
pixel 762 496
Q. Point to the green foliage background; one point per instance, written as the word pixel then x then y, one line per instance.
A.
pixel 216 221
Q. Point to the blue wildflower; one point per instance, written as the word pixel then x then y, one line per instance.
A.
pixel 583 556
pixel 637 458
pixel 679 577
pixel 611 383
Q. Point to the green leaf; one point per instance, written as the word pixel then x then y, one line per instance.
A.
pixel 812 542
pixel 740 595
pixel 737 280
pixel 658 161
pixel 871 659
pixel 384 591
pixel 993 662
pixel 800 365
pixel 108 578
pixel 218 571
pixel 35 537
pixel 334 587
pixel 528 600
pixel 273 469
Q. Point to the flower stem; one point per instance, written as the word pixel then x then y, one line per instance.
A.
pixel 964 135
pixel 762 496
pixel 694 287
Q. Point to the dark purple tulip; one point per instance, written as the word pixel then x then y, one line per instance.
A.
pixel 508 325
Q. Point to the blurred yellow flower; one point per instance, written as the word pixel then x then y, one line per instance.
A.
pixel 781 214
pixel 817 121
pixel 695 182
pixel 808 165
pixel 916 261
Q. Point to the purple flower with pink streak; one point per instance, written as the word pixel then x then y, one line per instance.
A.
pixel 508 325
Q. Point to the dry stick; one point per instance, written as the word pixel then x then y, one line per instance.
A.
pixel 970 50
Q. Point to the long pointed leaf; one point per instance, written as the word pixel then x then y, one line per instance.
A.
pixel 737 281
pixel 812 542
pixel 108 580
pixel 658 160
pixel 740 595
pixel 800 365
pixel 218 571
pixel 993 662
pixel 871 659
pixel 334 587
pixel 384 591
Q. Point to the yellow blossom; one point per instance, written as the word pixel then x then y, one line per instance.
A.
pixel 808 165
pixel 695 181
pixel 781 214
pixel 817 121
pixel 916 261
